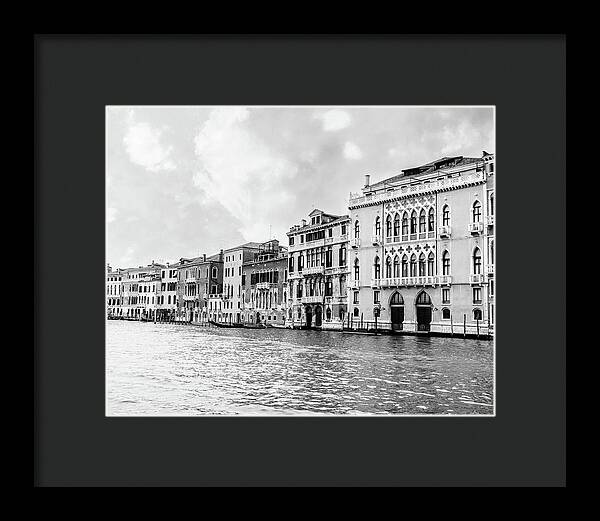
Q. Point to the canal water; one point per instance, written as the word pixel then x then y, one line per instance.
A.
pixel 182 370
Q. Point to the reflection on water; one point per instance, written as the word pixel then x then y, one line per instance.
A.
pixel 168 369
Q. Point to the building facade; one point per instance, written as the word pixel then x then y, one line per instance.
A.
pixel 264 285
pixel 318 271
pixel 197 278
pixel 114 292
pixel 139 290
pixel 167 293
pixel 233 262
pixel 422 248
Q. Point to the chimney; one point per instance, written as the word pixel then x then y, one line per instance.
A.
pixel 221 255
pixel 367 179
pixel 303 222
pixel 204 256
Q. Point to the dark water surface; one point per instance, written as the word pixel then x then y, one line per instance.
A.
pixel 167 369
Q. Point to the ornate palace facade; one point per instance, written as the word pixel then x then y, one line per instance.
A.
pixel 422 248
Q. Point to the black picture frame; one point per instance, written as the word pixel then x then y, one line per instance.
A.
pixel 77 76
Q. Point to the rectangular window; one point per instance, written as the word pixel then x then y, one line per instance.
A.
pixel 376 297
pixel 446 296
pixel 476 295
pixel 343 229
pixel 330 232
pixel 291 241
pixel 355 297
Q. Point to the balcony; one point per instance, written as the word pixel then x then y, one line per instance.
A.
pixel 490 269
pixel 188 298
pixel 376 283
pixel 423 280
pixel 314 299
pixel 490 220
pixel 444 280
pixel 355 242
pixel 476 278
pixel 475 228
pixel 376 240
pixel 295 275
pixel 315 270
pixel 263 285
pixel 190 280
pixel 337 270
pixel 444 231
pixel 354 284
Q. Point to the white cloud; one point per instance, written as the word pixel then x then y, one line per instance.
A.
pixel 352 151
pixel 459 138
pixel 144 147
pixel 111 214
pixel 241 172
pixel 334 119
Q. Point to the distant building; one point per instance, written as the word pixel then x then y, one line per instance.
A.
pixel 264 285
pixel 318 271
pixel 233 260
pixel 139 291
pixel 167 293
pixel 114 292
pixel 422 248
pixel 198 278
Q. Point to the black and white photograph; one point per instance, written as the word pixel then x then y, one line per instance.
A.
pixel 300 260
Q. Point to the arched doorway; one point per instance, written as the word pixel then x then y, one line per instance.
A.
pixel 397 307
pixel 308 313
pixel 318 316
pixel 423 304
pixel 258 317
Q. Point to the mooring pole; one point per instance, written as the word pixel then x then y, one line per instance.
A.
pixel 464 326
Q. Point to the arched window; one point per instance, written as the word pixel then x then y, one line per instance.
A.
pixel 356 229
pixel 445 313
pixel 477 261
pixel 388 268
pixel 377 228
pixel 300 262
pixel 477 314
pixel 356 270
pixel 446 215
pixel 476 212
pixel 423 299
pixel 492 251
pixel 446 263
pixel 422 223
pixel 377 266
pixel 328 313
pixel 397 300
pixel 396 225
pixel 491 204
pixel 413 222
pixel 388 226
pixel 422 265
pixel 431 221
pixel 413 265
pixel 342 255
pixel 404 266
pixel 356 312
pixel 396 266
pixel 404 223
pixel 430 264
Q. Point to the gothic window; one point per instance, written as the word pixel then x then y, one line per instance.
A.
pixel 388 226
pixel 431 221
pixel 446 263
pixel 413 265
pixel 377 267
pixel 413 222
pixel 356 229
pixel 446 215
pixel 404 224
pixel 377 226
pixel 422 265
pixel 477 261
pixel 430 264
pixel 476 212
pixel 396 266
pixel 404 266
pixel 396 225
pixel 388 268
pixel 356 270
pixel 422 221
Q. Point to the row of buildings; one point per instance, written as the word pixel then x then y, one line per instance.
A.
pixel 414 253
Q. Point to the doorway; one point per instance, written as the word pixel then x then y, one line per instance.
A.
pixel 397 311
pixel 308 313
pixel 423 311
pixel 318 316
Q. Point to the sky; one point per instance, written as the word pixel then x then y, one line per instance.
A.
pixel 183 181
